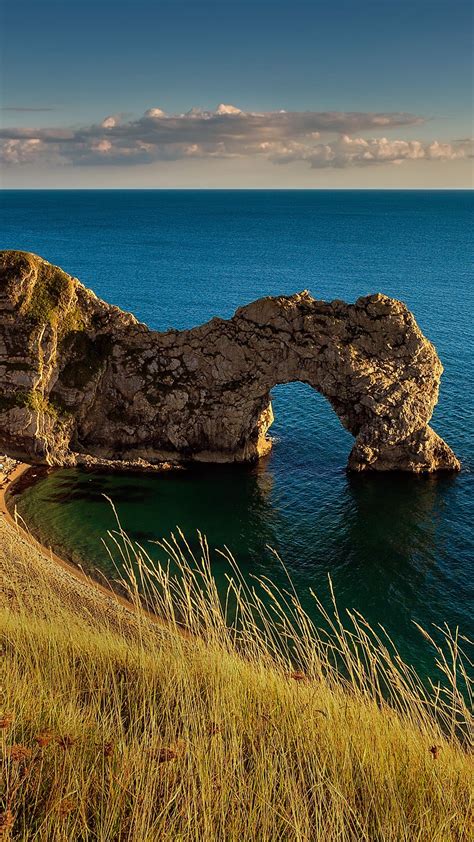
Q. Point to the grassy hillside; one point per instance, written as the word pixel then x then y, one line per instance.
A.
pixel 113 727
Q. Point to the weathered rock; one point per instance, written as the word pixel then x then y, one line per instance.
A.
pixel 83 382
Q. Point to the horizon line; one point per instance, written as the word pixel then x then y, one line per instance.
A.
pixel 468 189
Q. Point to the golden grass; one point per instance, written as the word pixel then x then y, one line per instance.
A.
pixel 269 730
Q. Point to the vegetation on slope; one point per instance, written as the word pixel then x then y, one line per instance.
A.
pixel 270 730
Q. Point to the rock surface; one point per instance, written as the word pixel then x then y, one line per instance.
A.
pixel 82 382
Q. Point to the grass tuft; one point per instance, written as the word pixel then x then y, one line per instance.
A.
pixel 198 728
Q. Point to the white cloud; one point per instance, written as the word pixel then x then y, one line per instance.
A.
pixel 154 113
pixel 280 136
pixel 102 146
pixel 21 151
pixel 347 151
pixel 227 109
pixel 109 123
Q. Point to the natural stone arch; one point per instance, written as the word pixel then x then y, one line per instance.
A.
pixel 84 382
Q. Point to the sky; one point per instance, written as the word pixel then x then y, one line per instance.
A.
pixel 236 93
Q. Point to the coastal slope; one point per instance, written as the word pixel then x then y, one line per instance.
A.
pixel 82 382
pixel 113 727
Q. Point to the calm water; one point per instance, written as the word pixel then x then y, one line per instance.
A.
pixel 398 548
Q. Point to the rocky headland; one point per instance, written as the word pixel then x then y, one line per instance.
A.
pixel 82 382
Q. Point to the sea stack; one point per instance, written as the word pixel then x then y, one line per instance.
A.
pixel 82 382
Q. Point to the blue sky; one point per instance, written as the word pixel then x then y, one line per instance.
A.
pixel 91 60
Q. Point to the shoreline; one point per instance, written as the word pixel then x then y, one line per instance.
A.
pixel 76 577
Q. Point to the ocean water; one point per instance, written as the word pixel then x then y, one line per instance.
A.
pixel 398 548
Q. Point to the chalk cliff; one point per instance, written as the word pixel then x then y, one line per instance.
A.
pixel 82 382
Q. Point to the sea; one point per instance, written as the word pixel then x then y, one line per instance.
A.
pixel 397 548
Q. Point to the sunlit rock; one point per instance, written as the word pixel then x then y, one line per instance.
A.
pixel 82 382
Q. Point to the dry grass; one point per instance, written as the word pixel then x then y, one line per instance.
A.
pixel 269 730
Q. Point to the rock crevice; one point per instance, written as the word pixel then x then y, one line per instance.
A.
pixel 83 382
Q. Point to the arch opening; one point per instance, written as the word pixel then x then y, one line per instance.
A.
pixel 306 428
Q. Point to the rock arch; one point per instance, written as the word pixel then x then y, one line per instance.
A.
pixel 84 382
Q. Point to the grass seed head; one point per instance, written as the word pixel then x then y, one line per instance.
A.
pixel 166 753
pixel 43 739
pixel 6 720
pixel 299 676
pixel 7 820
pixel 18 753
pixel 65 741
pixel 65 806
pixel 107 748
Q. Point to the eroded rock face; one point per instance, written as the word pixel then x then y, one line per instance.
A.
pixel 83 382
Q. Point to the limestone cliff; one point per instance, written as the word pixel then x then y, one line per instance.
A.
pixel 83 382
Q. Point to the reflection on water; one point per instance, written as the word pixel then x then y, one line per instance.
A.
pixel 396 547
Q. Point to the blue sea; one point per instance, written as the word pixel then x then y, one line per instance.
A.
pixel 398 548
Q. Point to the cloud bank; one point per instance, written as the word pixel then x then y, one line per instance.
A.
pixel 320 138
